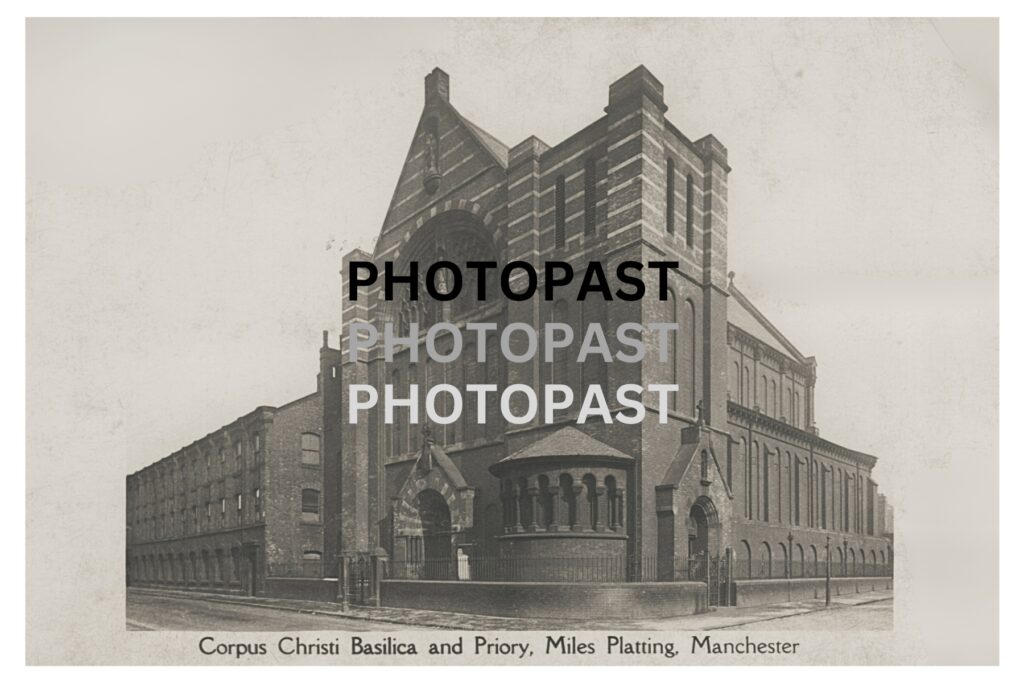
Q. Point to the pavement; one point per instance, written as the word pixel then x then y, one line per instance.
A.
pixel 162 609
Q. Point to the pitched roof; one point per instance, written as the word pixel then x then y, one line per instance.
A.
pixel 567 441
pixel 496 147
pixel 744 315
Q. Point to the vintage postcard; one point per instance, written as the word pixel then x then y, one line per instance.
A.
pixel 512 341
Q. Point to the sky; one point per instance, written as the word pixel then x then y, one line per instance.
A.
pixel 192 186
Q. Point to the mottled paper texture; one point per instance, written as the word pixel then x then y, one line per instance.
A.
pixel 194 492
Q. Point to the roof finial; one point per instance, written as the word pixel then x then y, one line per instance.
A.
pixel 732 274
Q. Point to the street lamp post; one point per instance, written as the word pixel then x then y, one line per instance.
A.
pixel 789 566
pixel 828 571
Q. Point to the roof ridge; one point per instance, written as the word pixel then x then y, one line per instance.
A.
pixel 494 146
pixel 760 317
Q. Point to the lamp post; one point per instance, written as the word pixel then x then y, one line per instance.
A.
pixel 789 566
pixel 828 571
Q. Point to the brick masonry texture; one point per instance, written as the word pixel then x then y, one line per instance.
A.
pixel 739 470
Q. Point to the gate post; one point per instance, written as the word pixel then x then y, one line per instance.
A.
pixel 343 560
pixel 378 560
pixel 729 597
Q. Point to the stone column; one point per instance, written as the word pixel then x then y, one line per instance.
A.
pixel 557 508
pixel 602 508
pixel 581 522
pixel 532 494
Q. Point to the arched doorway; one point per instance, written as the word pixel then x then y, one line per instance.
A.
pixel 698 546
pixel 436 522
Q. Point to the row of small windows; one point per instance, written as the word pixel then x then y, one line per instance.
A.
pixel 766 562
pixel 787 406
pixel 162 480
pixel 837 499
pixel 188 520
pixel 590 203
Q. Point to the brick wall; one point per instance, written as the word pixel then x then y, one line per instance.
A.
pixel 549 600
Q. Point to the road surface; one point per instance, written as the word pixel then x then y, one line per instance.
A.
pixel 151 612
pixel 872 616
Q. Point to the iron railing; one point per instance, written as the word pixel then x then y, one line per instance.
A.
pixel 780 569
pixel 610 569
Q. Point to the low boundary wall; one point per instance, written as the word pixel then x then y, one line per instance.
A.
pixel 549 600
pixel 750 592
pixel 316 590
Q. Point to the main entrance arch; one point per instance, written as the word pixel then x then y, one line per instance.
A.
pixel 436 525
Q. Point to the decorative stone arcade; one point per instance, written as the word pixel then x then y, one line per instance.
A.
pixel 564 504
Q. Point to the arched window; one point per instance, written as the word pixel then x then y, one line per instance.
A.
pixel 796 491
pixel 772 406
pixel 310 449
pixel 745 469
pixel 590 197
pixel 594 369
pixel 494 371
pixel 765 569
pixel 746 387
pixel 672 316
pixel 612 501
pixel 746 561
pixel 525 513
pixel 704 469
pixel 471 372
pixel 590 519
pixel 754 479
pixel 738 396
pixel 560 212
pixel 766 472
pixel 689 334
pixel 560 366
pixel 567 494
pixel 689 210
pixel 310 505
pixel 546 502
pixel 670 198
pixel 762 400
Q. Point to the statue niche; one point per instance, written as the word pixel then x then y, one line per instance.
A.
pixel 431 158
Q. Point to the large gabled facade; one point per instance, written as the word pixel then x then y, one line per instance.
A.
pixel 738 471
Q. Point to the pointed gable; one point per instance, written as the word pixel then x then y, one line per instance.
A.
pixel 447 150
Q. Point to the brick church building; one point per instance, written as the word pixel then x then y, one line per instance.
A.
pixel 740 467
pixel 739 481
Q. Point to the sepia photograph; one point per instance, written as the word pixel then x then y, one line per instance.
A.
pixel 497 341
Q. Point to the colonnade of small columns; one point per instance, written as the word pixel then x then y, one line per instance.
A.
pixel 563 502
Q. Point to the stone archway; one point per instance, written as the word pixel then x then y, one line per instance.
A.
pixel 432 513
pixel 436 525
pixel 703 528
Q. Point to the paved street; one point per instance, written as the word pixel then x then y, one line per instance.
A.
pixel 151 612
pixel 872 616
pixel 178 610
